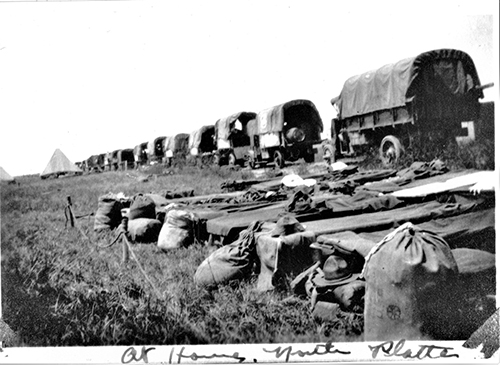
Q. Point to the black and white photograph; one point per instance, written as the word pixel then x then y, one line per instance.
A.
pixel 242 181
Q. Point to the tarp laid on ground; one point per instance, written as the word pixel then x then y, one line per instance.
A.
pixel 4 176
pixel 375 221
pixel 231 224
pixel 60 164
pixel 394 85
pixel 485 179
pixel 461 231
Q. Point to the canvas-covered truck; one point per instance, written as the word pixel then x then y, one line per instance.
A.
pixel 202 144
pixel 156 150
pixel 175 148
pixel 232 138
pixel 140 155
pixel 111 161
pixel 434 93
pixel 125 159
pixel 286 132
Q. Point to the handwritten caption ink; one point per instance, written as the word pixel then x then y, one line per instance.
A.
pixel 285 354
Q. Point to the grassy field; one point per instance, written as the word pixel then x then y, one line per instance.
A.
pixel 60 289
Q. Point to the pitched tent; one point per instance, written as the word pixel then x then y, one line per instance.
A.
pixel 4 176
pixel 60 165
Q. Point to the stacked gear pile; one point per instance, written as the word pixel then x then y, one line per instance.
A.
pixel 332 284
pixel 143 226
pixel 398 284
pixel 151 219
pixel 273 255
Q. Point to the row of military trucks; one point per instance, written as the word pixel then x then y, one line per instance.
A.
pixel 436 93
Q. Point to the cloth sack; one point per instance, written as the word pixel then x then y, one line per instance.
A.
pixel 351 296
pixel 286 225
pixel 144 230
pixel 108 215
pixel 282 258
pixel 142 207
pixel 177 231
pixel 300 202
pixel 232 262
pixel 346 241
pixel 408 274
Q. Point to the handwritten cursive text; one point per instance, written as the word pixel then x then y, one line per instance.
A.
pixel 321 349
pixel 389 349
pixel 130 355
pixel 194 356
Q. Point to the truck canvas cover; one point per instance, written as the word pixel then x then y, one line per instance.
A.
pixel 202 138
pixel 448 73
pixel 223 126
pixel 176 143
pixel 273 119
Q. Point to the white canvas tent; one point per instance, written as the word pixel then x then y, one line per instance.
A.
pixel 4 176
pixel 59 164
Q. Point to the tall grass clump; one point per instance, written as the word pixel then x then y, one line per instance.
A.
pixel 60 288
pixel 478 154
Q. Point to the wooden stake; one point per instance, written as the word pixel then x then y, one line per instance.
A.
pixel 71 217
pixel 125 252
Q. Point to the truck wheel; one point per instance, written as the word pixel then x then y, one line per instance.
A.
pixel 309 158
pixel 252 163
pixel 216 160
pixel 390 150
pixel 328 154
pixel 231 160
pixel 279 161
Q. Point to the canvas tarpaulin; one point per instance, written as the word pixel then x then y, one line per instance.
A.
pixel 202 138
pixel 274 119
pixel 443 71
pixel 223 126
pixel 470 230
pixel 376 221
pixel 177 143
pixel 373 213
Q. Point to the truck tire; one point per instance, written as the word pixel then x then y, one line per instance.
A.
pixel 216 159
pixel 328 154
pixel 391 150
pixel 252 163
pixel 278 159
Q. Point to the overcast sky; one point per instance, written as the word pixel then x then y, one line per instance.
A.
pixel 94 76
